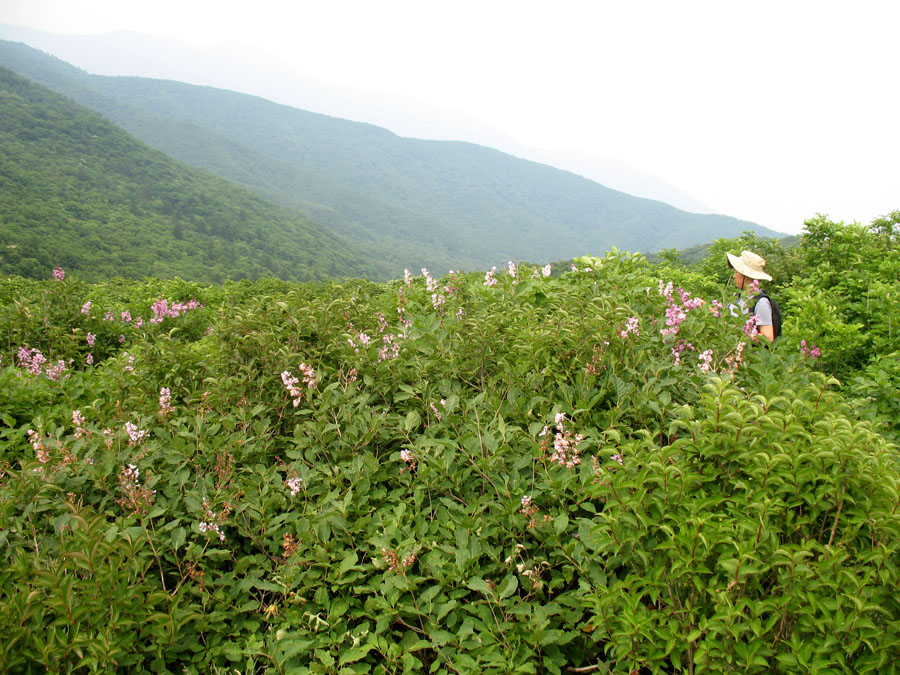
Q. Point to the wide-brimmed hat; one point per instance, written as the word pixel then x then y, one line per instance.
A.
pixel 749 264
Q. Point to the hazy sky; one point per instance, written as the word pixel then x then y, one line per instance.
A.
pixel 768 111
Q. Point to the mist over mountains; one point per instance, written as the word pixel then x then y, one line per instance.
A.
pixel 237 68
pixel 397 202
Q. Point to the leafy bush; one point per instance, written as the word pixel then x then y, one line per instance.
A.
pixel 508 472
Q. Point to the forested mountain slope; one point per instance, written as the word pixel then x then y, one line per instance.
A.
pixel 78 191
pixel 410 202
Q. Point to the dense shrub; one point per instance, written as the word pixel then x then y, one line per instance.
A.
pixel 501 473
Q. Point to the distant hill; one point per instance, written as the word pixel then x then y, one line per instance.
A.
pixel 409 202
pixel 78 191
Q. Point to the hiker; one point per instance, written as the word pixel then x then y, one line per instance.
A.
pixel 747 268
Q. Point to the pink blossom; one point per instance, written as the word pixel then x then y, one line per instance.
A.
pixel 810 351
pixel 109 316
pixel 78 421
pixel 706 360
pixel 291 384
pixel 86 308
pixel 389 349
pixel 138 322
pixel 630 328
pixel 666 290
pixel 545 270
pixel 35 439
pixel 203 526
pixel 512 270
pixel 294 484
pixel 90 339
pixel 680 347
pixel 131 474
pixel 126 316
pixel 31 360
pixel 430 283
pixel 162 310
pixel 750 327
pixel 165 400
pixel 309 376
pixel 489 278
pixel 716 308
pixel 753 288
pixel 735 360
pixel 135 435
pixel 59 273
pixel 437 299
pixel 407 277
pixel 409 458
pixel 55 371
pixel 89 360
pixel 121 339
pixel 565 444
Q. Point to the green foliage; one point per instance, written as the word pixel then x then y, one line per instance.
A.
pixel 81 193
pixel 442 475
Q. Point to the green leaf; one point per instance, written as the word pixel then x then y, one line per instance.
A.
pixel 509 586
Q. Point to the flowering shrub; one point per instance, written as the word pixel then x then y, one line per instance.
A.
pixel 584 473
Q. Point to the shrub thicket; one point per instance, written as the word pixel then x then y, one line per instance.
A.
pixel 592 472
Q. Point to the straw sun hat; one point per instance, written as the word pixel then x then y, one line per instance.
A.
pixel 749 264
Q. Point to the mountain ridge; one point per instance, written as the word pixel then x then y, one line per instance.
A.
pixel 80 192
pixel 412 202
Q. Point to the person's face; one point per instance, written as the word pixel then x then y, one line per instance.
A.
pixel 739 279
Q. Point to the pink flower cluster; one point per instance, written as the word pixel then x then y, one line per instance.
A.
pixel 135 497
pixel 675 313
pixel 489 277
pixel 407 277
pixel 565 444
pixel 409 458
pixel 292 384
pixel 211 524
pixel 59 273
pixel 86 308
pixel 78 421
pixel 364 341
pixel 165 401
pixel 34 361
pixel 162 309
pixel 735 360
pixel 204 526
pixel 31 360
pixel 37 442
pixel 135 434
pixel 390 349
pixel 512 270
pixel 430 282
pixel 706 360
pixel 630 328
pixel 750 327
pixel 680 347
pixel 294 484
pixel 809 351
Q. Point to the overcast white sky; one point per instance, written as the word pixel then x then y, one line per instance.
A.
pixel 768 111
